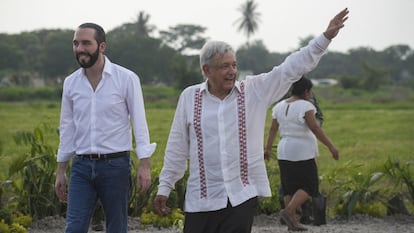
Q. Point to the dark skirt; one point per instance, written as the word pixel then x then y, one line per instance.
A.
pixel 295 175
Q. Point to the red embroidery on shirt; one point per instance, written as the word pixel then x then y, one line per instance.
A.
pixel 197 129
pixel 241 108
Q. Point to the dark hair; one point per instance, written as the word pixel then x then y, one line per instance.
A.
pixel 99 32
pixel 299 87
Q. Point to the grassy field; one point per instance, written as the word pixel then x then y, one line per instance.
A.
pixel 25 116
pixel 364 133
pixel 371 135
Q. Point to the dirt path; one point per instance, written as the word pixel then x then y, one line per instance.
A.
pixel 269 224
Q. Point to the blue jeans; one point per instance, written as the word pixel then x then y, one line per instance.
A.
pixel 110 181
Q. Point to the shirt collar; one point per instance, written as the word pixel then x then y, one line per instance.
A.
pixel 106 70
pixel 107 66
pixel 204 86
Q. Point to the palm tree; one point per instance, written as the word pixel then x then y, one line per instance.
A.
pixel 142 26
pixel 139 28
pixel 248 22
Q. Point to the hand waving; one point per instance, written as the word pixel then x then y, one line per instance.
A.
pixel 336 24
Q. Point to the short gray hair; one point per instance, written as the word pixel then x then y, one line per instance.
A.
pixel 210 49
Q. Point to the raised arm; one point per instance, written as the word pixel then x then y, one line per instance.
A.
pixel 336 24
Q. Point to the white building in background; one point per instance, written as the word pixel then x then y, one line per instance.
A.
pixel 324 82
pixel 327 82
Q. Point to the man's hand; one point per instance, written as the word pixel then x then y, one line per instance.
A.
pixel 60 183
pixel 160 205
pixel 144 175
pixel 336 24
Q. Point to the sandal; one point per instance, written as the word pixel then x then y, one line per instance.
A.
pixel 291 227
pixel 286 218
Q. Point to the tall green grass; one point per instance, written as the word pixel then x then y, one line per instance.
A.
pixel 22 116
pixel 363 132
pixel 366 135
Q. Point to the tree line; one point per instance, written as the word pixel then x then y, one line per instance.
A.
pixel 168 58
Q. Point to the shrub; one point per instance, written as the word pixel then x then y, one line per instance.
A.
pixel 401 174
pixel 19 93
pixel 4 227
pixel 17 228
pixel 23 220
pixel 150 218
pixel 36 174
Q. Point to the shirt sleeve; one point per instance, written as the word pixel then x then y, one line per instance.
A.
pixel 135 102
pixel 67 126
pixel 177 150
pixel 305 107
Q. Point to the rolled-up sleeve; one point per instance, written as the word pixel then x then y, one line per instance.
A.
pixel 135 100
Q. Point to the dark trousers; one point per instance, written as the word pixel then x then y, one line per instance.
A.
pixel 238 219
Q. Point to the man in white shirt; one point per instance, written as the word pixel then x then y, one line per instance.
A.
pixel 99 102
pixel 219 126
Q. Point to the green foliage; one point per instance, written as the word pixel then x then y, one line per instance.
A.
pixel 401 174
pixel 248 23
pixel 360 191
pixel 47 53
pixel 4 227
pixel 184 37
pixel 355 190
pixel 18 224
pixel 187 72
pixel 23 220
pixel 139 201
pixel 366 134
pixel 160 93
pixel 256 58
pixel 5 216
pixel 174 218
pixel 272 204
pixel 375 209
pixel 20 93
pixel 56 57
pixel 17 228
pixel 147 57
pixel 152 94
pixel 269 205
pixel 35 173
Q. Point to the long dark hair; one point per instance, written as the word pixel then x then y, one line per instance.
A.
pixel 299 87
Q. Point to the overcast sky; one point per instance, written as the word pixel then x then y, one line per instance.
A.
pixel 373 23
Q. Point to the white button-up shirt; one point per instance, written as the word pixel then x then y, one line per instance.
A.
pixel 223 139
pixel 99 121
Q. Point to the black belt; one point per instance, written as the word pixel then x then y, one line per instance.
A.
pixel 104 156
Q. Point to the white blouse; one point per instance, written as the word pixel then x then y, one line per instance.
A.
pixel 297 142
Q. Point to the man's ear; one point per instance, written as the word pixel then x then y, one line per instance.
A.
pixel 206 69
pixel 102 47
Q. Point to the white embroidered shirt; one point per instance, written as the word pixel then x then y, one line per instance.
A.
pixel 222 140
